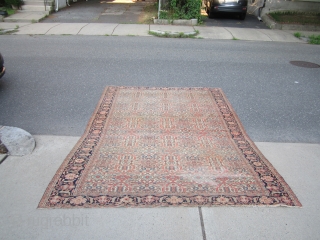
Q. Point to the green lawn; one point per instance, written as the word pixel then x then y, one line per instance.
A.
pixel 296 17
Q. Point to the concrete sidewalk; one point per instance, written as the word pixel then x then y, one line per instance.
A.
pixel 24 180
pixel 111 29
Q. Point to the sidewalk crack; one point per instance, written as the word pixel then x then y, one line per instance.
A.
pixel 114 29
pixel 202 224
pixel 229 32
pixel 265 34
pixel 51 28
pixel 82 28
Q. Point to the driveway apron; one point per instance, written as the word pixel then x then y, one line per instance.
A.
pixel 93 11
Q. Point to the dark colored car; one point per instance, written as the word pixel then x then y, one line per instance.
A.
pixel 2 68
pixel 215 7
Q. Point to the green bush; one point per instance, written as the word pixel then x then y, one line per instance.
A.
pixel 182 9
pixel 297 35
pixel 314 39
pixel 16 3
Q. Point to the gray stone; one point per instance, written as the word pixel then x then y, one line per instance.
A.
pixel 185 22
pixel 17 141
pixel 173 34
pixel 3 148
pixel 161 21
pixel 190 22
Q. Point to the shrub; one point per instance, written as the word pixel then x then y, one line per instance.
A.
pixel 16 3
pixel 314 39
pixel 182 9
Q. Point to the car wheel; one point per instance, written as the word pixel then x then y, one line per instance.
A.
pixel 2 69
pixel 1 62
pixel 211 15
pixel 3 13
pixel 242 16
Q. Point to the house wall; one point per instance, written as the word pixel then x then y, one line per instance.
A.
pixel 283 5
pixel 62 3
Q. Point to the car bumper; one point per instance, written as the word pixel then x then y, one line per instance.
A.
pixel 233 9
pixel 3 72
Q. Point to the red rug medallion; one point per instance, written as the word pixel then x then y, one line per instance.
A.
pixel 149 147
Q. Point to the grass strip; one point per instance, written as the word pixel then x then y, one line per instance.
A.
pixel 291 17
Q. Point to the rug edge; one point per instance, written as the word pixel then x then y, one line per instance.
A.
pixel 42 204
pixel 45 197
pixel 264 159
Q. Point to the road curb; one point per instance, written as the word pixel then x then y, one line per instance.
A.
pixel 159 33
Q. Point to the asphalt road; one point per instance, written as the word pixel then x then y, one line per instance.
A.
pixel 53 83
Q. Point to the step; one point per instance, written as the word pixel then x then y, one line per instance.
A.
pixel 36 8
pixel 26 16
pixel 36 1
pixel 36 4
pixel 149 1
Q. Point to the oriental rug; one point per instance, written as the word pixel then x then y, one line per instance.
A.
pixel 150 147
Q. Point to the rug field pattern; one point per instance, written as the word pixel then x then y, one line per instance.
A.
pixel 149 147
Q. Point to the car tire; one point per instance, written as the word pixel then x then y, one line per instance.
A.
pixel 211 15
pixel 3 13
pixel 242 16
pixel 1 63
pixel 2 69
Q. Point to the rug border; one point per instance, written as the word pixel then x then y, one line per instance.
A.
pixel 264 159
pixel 46 195
pixel 71 153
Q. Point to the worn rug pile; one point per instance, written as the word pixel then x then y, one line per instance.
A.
pixel 151 147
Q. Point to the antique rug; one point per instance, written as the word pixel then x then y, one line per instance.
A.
pixel 150 147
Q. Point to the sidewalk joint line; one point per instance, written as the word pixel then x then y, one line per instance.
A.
pixel 82 28
pixel 202 224
pixel 24 26
pixel 51 28
pixel 229 32
pixel 115 28
pixel 265 34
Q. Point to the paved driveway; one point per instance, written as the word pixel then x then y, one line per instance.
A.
pixel 93 11
pixel 127 11
pixel 228 20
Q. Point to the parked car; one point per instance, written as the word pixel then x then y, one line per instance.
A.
pixel 2 68
pixel 215 7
